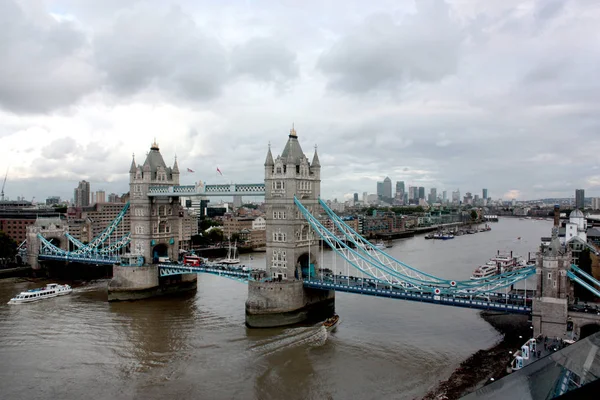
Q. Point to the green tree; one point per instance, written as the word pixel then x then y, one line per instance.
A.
pixel 208 223
pixel 474 215
pixel 8 247
pixel 215 235
pixel 585 263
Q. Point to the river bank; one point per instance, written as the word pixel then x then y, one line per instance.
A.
pixel 477 370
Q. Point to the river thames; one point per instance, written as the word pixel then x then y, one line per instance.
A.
pixel 197 346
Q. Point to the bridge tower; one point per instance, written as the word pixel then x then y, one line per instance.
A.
pixel 52 229
pixel 154 220
pixel 291 245
pixel 155 232
pixel 550 305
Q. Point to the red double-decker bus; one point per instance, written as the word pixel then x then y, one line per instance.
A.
pixel 192 260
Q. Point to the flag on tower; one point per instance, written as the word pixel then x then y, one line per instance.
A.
pixel 190 170
pixel 219 171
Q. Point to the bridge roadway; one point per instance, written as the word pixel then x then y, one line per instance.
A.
pixel 82 258
pixel 511 303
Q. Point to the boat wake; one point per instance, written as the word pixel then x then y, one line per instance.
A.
pixel 312 336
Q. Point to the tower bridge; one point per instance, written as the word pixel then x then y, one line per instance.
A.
pixel 294 285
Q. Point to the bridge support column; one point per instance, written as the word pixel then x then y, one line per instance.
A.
pixel 273 304
pixel 136 283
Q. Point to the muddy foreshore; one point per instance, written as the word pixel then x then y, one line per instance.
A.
pixel 477 370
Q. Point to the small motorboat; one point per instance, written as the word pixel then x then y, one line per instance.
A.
pixel 51 290
pixel 331 323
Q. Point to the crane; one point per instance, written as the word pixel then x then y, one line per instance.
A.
pixel 3 184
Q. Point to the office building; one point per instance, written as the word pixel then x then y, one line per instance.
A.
pixel 380 189
pixel 387 188
pixel 421 192
pixel 596 203
pixel 81 197
pixel 100 196
pixel 484 194
pixel 52 200
pixel 445 196
pixel 400 187
pixel 355 198
pixel 579 199
pixel 432 195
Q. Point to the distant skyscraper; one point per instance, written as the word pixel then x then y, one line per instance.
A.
pixel 379 189
pixel 387 188
pixel 456 196
pixel 114 198
pixel 596 203
pixel 81 196
pixel 432 195
pixel 365 197
pixel 400 187
pixel 413 194
pixel 484 194
pixel 579 199
pixel 356 197
pixel 100 196
pixel 444 196
pixel 421 192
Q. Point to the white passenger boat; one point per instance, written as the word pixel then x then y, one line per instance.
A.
pixel 51 290
pixel 485 271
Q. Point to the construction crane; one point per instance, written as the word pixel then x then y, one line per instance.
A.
pixel 3 184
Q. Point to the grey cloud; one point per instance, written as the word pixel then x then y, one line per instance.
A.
pixel 383 54
pixel 147 48
pixel 265 60
pixel 44 64
pixel 59 149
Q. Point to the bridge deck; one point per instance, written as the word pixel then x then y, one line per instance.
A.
pixel 495 303
pixel 514 304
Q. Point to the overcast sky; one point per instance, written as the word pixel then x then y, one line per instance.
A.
pixel 462 94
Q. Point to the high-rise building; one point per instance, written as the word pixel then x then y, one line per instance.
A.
pixel 484 194
pixel 400 187
pixel 445 196
pixel 100 196
pixel 114 198
pixel 456 196
pixel 81 196
pixel 356 197
pixel 365 197
pixel 421 192
pixel 413 194
pixel 379 189
pixel 387 188
pixel 596 203
pixel 579 199
pixel 432 195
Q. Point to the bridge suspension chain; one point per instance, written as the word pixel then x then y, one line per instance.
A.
pixel 383 273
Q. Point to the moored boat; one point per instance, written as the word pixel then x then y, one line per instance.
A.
pixel 232 255
pixel 50 290
pixel 331 323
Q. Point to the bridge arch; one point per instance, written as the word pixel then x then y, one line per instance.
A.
pixel 159 250
pixel 306 265
pixel 588 329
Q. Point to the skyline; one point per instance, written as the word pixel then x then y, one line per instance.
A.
pixel 445 95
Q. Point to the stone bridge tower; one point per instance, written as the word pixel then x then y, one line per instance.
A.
pixel 289 237
pixel 291 244
pixel 154 233
pixel 154 220
pixel 550 305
